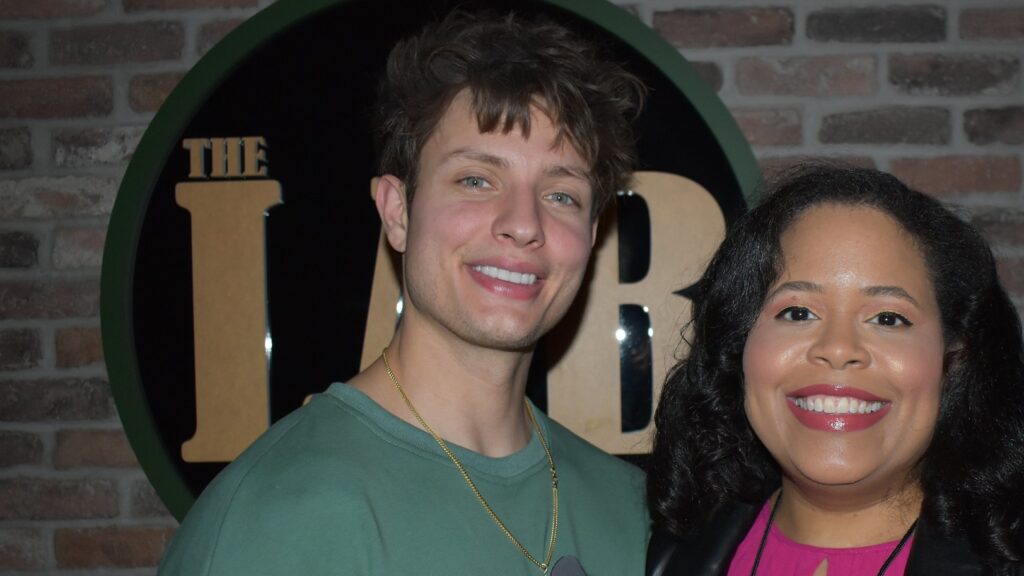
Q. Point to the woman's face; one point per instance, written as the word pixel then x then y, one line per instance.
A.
pixel 843 368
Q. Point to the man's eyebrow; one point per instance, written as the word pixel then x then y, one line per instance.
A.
pixel 894 291
pixel 557 170
pixel 569 171
pixel 798 286
pixel 477 155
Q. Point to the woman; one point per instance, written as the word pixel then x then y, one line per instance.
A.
pixel 853 401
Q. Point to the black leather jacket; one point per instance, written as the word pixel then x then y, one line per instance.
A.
pixel 709 553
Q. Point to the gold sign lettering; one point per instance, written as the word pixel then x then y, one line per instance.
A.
pixel 229 314
pixel 228 294
pixel 226 157
pixel 232 383
pixel 583 390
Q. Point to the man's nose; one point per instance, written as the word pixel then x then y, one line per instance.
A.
pixel 518 218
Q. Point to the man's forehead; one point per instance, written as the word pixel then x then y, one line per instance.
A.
pixel 462 120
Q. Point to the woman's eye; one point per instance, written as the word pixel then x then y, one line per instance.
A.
pixel 562 198
pixel 473 182
pixel 890 319
pixel 796 314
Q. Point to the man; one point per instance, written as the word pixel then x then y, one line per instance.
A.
pixel 501 140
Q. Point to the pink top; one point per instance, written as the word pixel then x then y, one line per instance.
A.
pixel 784 557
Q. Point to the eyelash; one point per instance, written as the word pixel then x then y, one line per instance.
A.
pixel 786 314
pixel 898 317
pixel 900 320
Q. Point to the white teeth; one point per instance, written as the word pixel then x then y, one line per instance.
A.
pixel 837 405
pixel 506 275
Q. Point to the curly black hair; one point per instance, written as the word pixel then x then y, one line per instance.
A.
pixel 972 473
pixel 509 63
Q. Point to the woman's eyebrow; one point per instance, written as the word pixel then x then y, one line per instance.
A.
pixel 894 291
pixel 796 286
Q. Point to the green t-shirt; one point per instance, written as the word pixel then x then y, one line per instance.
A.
pixel 343 487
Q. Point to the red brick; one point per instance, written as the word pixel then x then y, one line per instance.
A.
pixel 93 449
pixel 113 547
pixel 20 348
pixel 50 197
pixel 146 503
pixel 140 5
pixel 15 51
pixel 79 96
pixel 78 247
pixel 770 127
pixel 807 76
pixel 118 43
pixel 55 400
pixel 1000 226
pixel 213 32
pixel 17 448
pixel 878 24
pixel 774 166
pixel 28 299
pixel 53 499
pixel 892 125
pixel 705 28
pixel 147 92
pixel 992 24
pixel 49 8
pixel 951 175
pixel 82 346
pixel 18 249
pixel 22 549
pixel 1011 274
pixel 15 148
pixel 995 125
pixel 954 74
pixel 710 72
pixel 95 146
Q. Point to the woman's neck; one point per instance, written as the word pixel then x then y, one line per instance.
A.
pixel 843 517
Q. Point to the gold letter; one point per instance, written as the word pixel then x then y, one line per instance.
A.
pixel 226 161
pixel 196 156
pixel 255 156
pixel 583 387
pixel 229 313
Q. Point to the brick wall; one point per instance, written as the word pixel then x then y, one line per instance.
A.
pixel 931 92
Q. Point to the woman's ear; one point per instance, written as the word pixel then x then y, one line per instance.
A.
pixel 389 197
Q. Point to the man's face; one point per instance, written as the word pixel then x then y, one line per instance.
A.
pixel 498 240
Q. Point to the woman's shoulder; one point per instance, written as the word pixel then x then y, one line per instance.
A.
pixel 705 551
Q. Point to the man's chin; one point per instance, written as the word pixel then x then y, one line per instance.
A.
pixel 506 338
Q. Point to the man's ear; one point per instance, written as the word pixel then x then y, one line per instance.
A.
pixel 389 196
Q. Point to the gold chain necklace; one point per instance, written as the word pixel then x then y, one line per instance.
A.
pixel 472 486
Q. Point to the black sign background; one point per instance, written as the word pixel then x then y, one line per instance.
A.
pixel 303 75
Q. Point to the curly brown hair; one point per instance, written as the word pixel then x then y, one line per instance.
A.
pixel 509 63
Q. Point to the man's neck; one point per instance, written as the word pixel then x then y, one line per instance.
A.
pixel 471 396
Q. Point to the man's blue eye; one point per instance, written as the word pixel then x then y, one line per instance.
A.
pixel 474 181
pixel 562 198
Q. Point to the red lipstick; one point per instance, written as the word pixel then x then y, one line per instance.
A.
pixel 802 403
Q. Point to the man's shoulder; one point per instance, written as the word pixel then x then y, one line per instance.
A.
pixel 318 444
pixel 301 477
